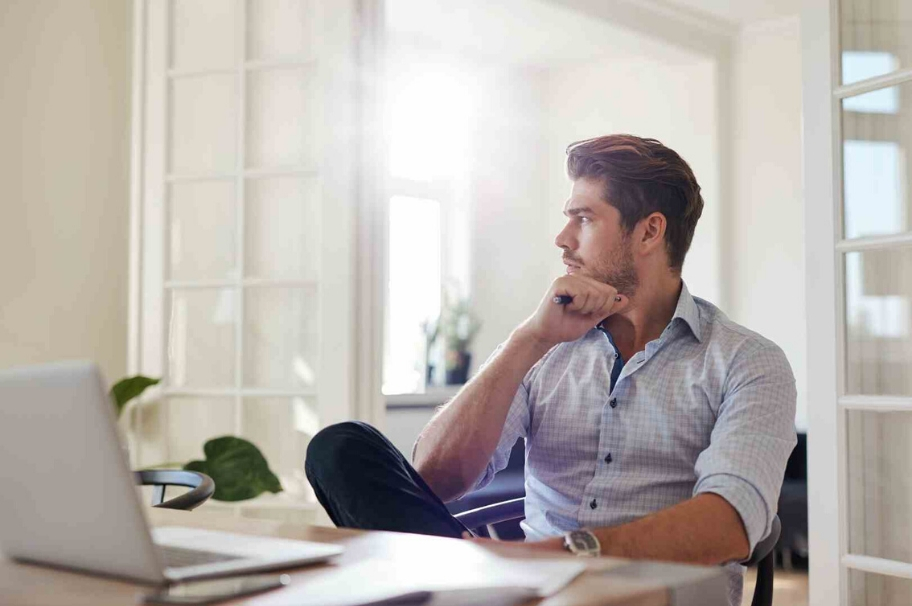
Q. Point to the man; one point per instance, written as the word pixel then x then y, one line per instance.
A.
pixel 655 427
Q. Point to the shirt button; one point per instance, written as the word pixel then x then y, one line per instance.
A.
pixel 608 458
pixel 613 403
pixel 593 504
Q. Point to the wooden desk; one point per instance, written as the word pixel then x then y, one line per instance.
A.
pixel 607 581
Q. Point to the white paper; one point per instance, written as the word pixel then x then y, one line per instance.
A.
pixel 498 581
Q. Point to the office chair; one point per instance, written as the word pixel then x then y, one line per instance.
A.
pixel 482 520
pixel 202 487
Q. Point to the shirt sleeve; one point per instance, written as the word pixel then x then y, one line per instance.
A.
pixel 753 436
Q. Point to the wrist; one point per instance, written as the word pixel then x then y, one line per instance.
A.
pixel 525 337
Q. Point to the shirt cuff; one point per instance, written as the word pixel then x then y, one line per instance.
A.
pixel 746 500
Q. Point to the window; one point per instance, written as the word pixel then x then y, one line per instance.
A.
pixel 429 111
pixel 414 290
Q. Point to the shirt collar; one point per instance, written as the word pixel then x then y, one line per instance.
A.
pixel 688 311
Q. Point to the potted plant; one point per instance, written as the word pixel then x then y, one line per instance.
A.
pixel 458 326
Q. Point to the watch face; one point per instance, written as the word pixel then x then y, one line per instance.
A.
pixel 583 541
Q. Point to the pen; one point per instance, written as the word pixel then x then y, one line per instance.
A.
pixel 565 299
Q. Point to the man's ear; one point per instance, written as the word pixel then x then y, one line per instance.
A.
pixel 653 232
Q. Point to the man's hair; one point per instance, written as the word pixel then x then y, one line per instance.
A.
pixel 642 176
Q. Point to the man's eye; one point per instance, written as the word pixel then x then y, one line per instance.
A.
pixel 584 219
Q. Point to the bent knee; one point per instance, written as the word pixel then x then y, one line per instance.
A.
pixel 336 444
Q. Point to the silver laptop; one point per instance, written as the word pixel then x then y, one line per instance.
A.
pixel 68 497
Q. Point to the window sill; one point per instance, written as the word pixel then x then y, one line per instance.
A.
pixel 433 397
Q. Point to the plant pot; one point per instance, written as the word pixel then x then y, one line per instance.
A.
pixel 458 363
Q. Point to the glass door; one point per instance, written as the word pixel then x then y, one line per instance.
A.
pixel 244 220
pixel 858 81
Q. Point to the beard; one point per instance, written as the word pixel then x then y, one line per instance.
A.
pixel 614 268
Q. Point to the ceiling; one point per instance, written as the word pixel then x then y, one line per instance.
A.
pixel 738 12
pixel 547 33
pixel 540 33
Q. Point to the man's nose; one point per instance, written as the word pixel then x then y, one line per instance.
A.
pixel 563 239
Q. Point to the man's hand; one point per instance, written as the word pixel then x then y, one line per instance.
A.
pixel 593 301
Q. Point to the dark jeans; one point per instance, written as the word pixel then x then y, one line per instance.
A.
pixel 363 481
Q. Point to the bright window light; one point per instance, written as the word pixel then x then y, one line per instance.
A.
pixel 414 290
pixel 874 188
pixel 861 65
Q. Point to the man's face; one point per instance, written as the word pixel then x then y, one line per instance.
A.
pixel 594 242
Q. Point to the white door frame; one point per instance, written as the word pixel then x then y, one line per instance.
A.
pixel 821 172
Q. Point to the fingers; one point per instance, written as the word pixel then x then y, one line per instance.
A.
pixel 580 302
pixel 594 302
pixel 589 297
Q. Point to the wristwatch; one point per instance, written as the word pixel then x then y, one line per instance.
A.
pixel 582 543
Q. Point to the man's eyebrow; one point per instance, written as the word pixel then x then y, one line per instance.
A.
pixel 578 210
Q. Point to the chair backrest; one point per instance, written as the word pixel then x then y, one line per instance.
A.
pixel 202 487
pixel 481 521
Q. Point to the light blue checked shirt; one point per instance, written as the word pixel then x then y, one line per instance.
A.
pixel 709 406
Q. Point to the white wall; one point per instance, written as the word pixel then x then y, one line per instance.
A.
pixel 672 102
pixel 766 222
pixel 64 158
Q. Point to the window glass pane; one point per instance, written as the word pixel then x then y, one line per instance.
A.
pixel 876 37
pixel 204 34
pixel 193 421
pixel 869 589
pixel 281 28
pixel 282 118
pixel 414 290
pixel 281 337
pixel 876 162
pixel 282 226
pixel 201 341
pixel 878 320
pixel 880 487
pixel 203 124
pixel 203 230
pixel 282 428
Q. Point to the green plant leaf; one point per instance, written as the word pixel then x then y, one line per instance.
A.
pixel 129 388
pixel 237 467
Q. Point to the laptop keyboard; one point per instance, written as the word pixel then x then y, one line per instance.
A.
pixel 178 557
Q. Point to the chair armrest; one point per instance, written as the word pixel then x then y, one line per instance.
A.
pixel 493 514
